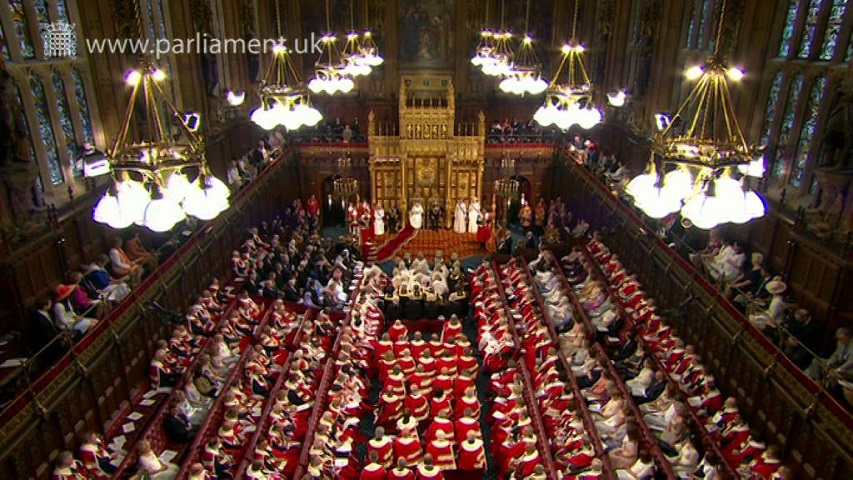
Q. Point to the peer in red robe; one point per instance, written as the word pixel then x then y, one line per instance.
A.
pixel 408 447
pixel 528 462
pixel 373 470
pixel 428 471
pixel 383 446
pixel 401 472
pixel 472 455
pixel 442 452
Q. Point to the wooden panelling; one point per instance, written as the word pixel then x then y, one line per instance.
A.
pixel 778 407
pixel 109 372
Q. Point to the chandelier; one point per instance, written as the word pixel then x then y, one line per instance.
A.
pixel 494 55
pixel 525 74
pixel 507 186
pixel 570 103
pixel 360 55
pixel 163 177
pixel 284 100
pixel 344 186
pixel 701 161
pixel 330 73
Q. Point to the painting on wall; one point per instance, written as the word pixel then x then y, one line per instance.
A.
pixel 426 32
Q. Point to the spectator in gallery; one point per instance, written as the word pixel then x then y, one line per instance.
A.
pixel 139 254
pixel 98 279
pixel 64 315
pixel 839 365
pixel 122 265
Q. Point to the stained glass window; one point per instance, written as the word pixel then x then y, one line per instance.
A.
pixel 65 121
pixel 42 15
pixel 83 105
pixel 704 13
pixel 788 31
pixel 19 19
pixel 787 124
pixel 62 10
pixel 46 132
pixel 807 132
pixel 813 186
pixel 833 28
pixel 810 28
pixel 150 8
pixel 770 109
pixel 163 33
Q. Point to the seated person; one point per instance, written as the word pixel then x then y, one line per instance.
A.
pixel 727 265
pixel 775 312
pixel 151 465
pixel 839 365
pixel 99 279
pixel 64 315
pixel 139 254
pixel 122 265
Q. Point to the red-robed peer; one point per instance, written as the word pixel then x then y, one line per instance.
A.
pixel 373 470
pixel 428 471
pixel 401 472
pixel 408 447
pixel 528 462
pixel 441 449
pixel 472 455
pixel 383 446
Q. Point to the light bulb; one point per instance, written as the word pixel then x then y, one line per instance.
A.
pixel 162 214
pixel 735 74
pixel 694 72
pixel 235 99
pixel 132 199
pixel 133 77
pixel 176 187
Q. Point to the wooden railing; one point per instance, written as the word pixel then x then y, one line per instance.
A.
pixel 774 396
pixel 103 373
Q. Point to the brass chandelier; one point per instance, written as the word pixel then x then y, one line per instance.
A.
pixel 570 102
pixel 152 186
pixel 344 186
pixel 700 160
pixel 284 98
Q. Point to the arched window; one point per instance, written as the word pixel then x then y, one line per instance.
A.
pixel 807 133
pixel 833 29
pixel 810 25
pixel 787 125
pixel 45 132
pixel 54 90
pixel 773 100
pixel 788 29
pixel 700 35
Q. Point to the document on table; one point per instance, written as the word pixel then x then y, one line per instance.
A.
pixel 150 393
pixel 148 402
pixel 13 362
pixel 135 416
pixel 128 427
pixel 168 455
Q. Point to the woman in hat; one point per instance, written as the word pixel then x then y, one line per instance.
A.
pixel 775 312
pixel 65 316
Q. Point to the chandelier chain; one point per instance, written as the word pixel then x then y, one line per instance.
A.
pixel 575 22
pixel 720 28
pixel 527 19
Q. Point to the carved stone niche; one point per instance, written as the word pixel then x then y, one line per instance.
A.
pixel 832 220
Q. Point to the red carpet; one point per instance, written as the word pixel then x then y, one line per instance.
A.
pixel 393 243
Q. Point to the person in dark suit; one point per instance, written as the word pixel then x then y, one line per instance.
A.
pixel 41 331
pixel 805 337
pixel 252 285
pixel 177 426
